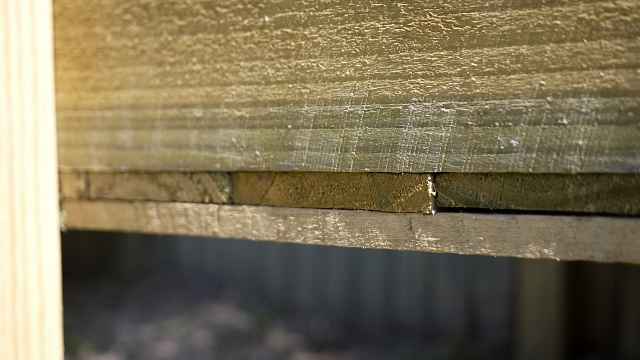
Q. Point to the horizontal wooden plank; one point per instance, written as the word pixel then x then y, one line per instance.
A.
pixel 588 193
pixel 475 86
pixel 530 236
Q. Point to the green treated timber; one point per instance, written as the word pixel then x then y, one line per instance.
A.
pixel 581 193
pixel 479 86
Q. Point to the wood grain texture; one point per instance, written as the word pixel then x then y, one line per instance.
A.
pixel 587 193
pixel 200 187
pixel 30 268
pixel 353 191
pixel 475 86
pixel 617 194
pixel 530 236
pixel 73 185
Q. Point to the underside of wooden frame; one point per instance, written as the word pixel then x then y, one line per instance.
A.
pixel 529 236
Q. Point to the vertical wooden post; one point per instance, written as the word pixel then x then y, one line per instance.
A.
pixel 541 309
pixel 30 273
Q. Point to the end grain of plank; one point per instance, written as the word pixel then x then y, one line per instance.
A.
pixel 609 239
pixel 30 266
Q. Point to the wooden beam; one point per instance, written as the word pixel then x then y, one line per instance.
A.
pixel 481 86
pixel 586 193
pixel 30 271
pixel 529 236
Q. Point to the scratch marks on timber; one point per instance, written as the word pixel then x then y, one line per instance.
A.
pixel 480 86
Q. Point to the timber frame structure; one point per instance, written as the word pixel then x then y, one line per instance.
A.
pixel 171 112
pixel 483 127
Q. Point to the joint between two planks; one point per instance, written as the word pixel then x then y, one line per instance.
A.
pixel 613 194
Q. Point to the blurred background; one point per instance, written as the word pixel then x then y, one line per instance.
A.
pixel 166 297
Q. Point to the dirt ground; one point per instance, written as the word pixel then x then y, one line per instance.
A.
pixel 171 317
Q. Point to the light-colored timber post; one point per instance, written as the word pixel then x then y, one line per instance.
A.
pixel 30 272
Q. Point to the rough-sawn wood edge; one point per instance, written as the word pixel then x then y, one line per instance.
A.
pixel 616 194
pixel 596 238
pixel 349 191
